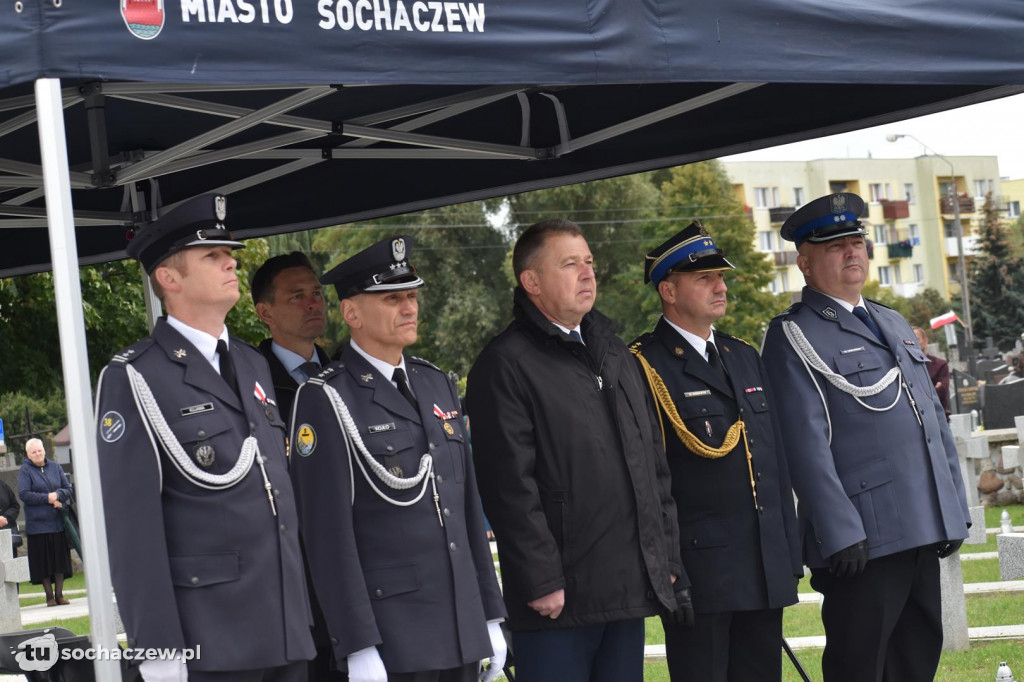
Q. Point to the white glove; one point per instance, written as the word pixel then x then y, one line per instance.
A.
pixel 500 651
pixel 172 670
pixel 365 666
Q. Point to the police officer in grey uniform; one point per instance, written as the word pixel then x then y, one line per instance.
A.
pixel 390 514
pixel 737 527
pixel 881 498
pixel 202 528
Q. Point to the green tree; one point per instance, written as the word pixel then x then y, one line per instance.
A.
pixel 703 191
pixel 996 284
pixel 47 414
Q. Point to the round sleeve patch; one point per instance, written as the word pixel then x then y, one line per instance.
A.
pixel 305 440
pixel 112 427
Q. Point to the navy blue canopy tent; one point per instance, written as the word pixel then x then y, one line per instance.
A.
pixel 328 111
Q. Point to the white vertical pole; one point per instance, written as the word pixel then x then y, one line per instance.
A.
pixel 75 359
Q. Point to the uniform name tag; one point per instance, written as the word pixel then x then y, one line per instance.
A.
pixel 196 409
pixel 858 349
pixel 379 428
pixel 696 394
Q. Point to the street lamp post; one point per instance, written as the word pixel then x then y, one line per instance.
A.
pixel 964 286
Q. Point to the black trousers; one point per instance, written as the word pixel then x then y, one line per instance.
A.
pixel 293 672
pixel 737 646
pixel 606 652
pixel 885 624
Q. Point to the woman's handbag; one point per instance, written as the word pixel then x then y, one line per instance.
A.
pixel 70 518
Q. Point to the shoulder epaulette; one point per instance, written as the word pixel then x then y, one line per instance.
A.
pixel 730 337
pixel 878 303
pixel 321 377
pixel 132 352
pixel 641 341
pixel 421 361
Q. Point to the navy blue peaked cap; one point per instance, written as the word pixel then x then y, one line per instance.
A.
pixel 690 250
pixel 196 222
pixel 382 267
pixel 826 218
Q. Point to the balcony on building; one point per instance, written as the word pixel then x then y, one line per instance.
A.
pixel 778 214
pixel 895 210
pixel 901 249
pixel 970 246
pixel 946 206
pixel 908 290
pixel 784 258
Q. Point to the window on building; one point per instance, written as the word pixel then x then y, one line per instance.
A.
pixel 914 233
pixel 947 189
pixel 881 234
pixel 950 229
pixel 784 280
pixel 766 240
pixel 1012 209
pixel 761 197
pixel 908 192
pixel 798 196
pixel 877 191
pixel 885 275
pixel 980 188
pixel 897 276
pixel 776 197
pixel 918 272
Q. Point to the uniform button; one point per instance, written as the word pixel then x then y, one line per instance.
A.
pixel 446 512
pixel 334 641
pixel 432 446
pixel 703 410
pixel 761 510
pixel 911 384
pixel 741 410
pixel 379 593
pixel 282 527
pixel 650 595
pixel 277 492
pixel 759 475
pixel 440 478
pixel 270 413
pixel 899 359
pixel 863 484
pixel 693 543
pixel 763 404
pixel 194 580
pixel 860 365
pixel 201 433
pixel 929 440
pixel 751 441
pixel 389 448
pixel 452 546
pixel 252 426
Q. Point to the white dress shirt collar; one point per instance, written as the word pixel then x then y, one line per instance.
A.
pixel 700 345
pixel 204 343
pixel 386 369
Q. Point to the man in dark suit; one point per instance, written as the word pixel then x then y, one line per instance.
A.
pixel 388 504
pixel 938 369
pixel 737 528
pixel 201 521
pixel 290 301
pixel 872 459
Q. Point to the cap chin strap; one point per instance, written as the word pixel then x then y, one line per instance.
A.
pixel 811 360
pixel 357 452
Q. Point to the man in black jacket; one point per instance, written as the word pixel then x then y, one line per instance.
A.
pixel 290 301
pixel 737 526
pixel 9 510
pixel 572 474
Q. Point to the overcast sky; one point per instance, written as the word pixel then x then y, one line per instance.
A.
pixel 988 129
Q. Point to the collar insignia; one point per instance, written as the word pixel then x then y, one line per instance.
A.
pixel 366 378
pixel 830 312
pixel 180 353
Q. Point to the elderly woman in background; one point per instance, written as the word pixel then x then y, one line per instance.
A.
pixel 44 489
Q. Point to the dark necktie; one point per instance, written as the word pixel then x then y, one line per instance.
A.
pixel 863 316
pixel 575 336
pixel 403 386
pixel 716 363
pixel 309 369
pixel 227 369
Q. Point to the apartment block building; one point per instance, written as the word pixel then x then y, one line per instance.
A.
pixel 912 205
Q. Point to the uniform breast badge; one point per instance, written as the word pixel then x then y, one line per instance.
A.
pixel 205 455
pixel 448 429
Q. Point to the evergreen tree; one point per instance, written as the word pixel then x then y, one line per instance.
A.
pixel 996 284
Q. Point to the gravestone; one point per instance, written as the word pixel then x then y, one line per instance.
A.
pixel 1011 555
pixel 12 572
pixel 966 392
pixel 970 449
pixel 1002 404
pixel 951 582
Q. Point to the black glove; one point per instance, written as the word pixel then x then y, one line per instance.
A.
pixel 848 562
pixel 683 616
pixel 948 547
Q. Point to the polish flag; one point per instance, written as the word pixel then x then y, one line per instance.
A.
pixel 943 320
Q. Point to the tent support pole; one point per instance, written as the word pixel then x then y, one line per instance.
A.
pixel 75 361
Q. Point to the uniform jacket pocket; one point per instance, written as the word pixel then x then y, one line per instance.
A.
pixel 202 570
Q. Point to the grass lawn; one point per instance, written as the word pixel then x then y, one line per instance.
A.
pixel 994 514
pixel 75 582
pixel 79 626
